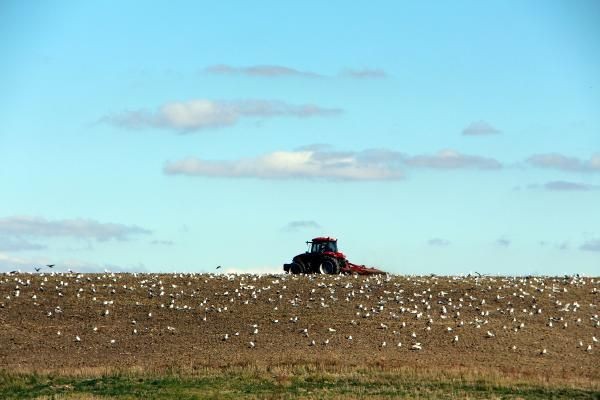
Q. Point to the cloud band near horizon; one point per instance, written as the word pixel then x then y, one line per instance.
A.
pixel 27 226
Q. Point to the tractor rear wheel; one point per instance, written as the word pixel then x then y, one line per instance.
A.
pixel 329 265
pixel 297 268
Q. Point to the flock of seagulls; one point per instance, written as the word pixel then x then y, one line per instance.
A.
pixel 318 310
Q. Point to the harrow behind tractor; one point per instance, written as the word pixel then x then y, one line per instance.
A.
pixel 323 257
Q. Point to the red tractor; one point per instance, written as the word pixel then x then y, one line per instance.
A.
pixel 323 257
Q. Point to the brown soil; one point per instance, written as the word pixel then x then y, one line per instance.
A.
pixel 177 336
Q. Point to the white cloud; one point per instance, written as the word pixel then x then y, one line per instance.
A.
pixel 364 73
pixel 568 186
pixel 594 162
pixel 438 242
pixel 267 71
pixel 322 163
pixel 9 262
pixel 162 242
pixel 565 163
pixel 503 242
pixel 452 159
pixel 293 226
pixel 277 71
pixel 591 245
pixel 201 114
pixel 18 244
pixel 18 226
pixel 289 164
pixel 480 128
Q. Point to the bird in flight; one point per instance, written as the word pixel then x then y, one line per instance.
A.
pixel 218 266
pixel 37 269
pixel 50 265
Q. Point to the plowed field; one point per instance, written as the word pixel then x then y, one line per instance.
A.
pixel 543 328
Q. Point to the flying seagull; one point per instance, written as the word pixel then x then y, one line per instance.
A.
pixel 50 265
pixel 37 269
pixel 218 266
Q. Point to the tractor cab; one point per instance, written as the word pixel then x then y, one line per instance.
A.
pixel 322 245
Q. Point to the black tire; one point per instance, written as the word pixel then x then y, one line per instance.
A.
pixel 329 265
pixel 297 268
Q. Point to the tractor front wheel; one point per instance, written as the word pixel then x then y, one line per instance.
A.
pixel 297 268
pixel 329 265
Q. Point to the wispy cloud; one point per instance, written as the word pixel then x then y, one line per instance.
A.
pixel 18 244
pixel 293 226
pixel 9 262
pixel 452 159
pixel 322 163
pixel 202 114
pixel 305 164
pixel 265 71
pixel 278 71
pixel 480 128
pixel 565 163
pixel 503 242
pixel 565 186
pixel 79 228
pixel 364 73
pixel 591 245
pixel 438 242
pixel 162 242
pixel 559 246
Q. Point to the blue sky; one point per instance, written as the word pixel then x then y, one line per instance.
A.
pixel 428 137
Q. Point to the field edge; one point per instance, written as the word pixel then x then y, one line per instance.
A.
pixel 287 381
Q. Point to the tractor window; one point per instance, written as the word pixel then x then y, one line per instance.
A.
pixel 331 246
pixel 323 247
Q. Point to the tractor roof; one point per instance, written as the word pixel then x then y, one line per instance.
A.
pixel 324 239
